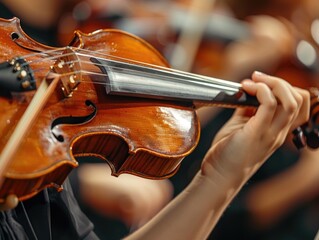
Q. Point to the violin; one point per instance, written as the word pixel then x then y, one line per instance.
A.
pixel 108 94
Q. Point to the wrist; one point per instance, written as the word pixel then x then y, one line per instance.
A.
pixel 223 189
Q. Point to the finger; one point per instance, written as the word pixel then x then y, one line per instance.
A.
pixel 300 111
pixel 268 104
pixel 304 110
pixel 289 100
pixel 281 89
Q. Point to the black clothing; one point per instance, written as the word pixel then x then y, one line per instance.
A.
pixel 48 215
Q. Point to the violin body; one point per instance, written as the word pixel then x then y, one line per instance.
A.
pixel 133 135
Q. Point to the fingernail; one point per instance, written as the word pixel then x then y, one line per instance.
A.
pixel 247 82
pixel 258 73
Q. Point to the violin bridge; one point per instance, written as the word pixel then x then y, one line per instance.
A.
pixel 69 69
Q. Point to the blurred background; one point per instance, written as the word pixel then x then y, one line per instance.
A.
pixel 226 39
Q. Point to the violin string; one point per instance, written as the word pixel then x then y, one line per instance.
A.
pixel 194 78
pixel 47 52
pixel 199 79
pixel 69 54
pixel 148 66
pixel 195 81
pixel 140 64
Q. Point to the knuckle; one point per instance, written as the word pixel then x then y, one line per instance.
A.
pixel 299 99
pixel 292 107
pixel 272 103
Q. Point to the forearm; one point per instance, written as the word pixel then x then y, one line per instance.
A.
pixel 194 213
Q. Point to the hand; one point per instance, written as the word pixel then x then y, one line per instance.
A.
pixel 10 202
pixel 248 139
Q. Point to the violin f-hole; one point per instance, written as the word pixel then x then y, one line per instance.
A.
pixel 73 120
pixel 14 36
